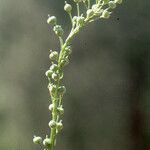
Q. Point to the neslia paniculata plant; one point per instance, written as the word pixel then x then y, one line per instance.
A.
pixel 94 10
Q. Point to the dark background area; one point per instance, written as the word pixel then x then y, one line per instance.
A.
pixel 108 79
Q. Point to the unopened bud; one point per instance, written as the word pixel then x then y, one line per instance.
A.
pixel 58 30
pixel 48 73
pixel 52 20
pixel 52 124
pixel 53 67
pixel 62 89
pixel 89 13
pixel 60 110
pixel 52 88
pixel 59 126
pixel 37 140
pixel 53 55
pixel 51 106
pixel 68 50
pixel 64 62
pixel 74 19
pixel 67 7
pixel 46 142
pixel 105 14
pixel 55 76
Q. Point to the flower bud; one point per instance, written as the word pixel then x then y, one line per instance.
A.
pixel 48 73
pixel 62 90
pixel 60 110
pixel 74 19
pixel 53 67
pixel 94 7
pixel 59 126
pixel 68 50
pixel 105 14
pixel 118 1
pixel 64 62
pixel 52 88
pixel 55 76
pixel 112 4
pixel 89 13
pixel 52 20
pixel 53 55
pixel 52 124
pixel 67 7
pixel 37 140
pixel 58 30
pixel 51 106
pixel 46 142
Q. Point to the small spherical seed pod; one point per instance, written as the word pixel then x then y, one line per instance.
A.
pixel 67 7
pixel 37 140
pixel 105 14
pixel 58 30
pixel 48 73
pixel 53 56
pixel 68 50
pixel 62 90
pixel 52 88
pixel 118 1
pixel 60 110
pixel 55 76
pixel 52 20
pixel 94 7
pixel 53 67
pixel 46 142
pixel 60 74
pixel 89 13
pixel 52 124
pixel 64 62
pixel 112 4
pixel 59 126
pixel 74 19
pixel 51 106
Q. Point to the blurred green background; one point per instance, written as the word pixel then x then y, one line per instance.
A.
pixel 108 79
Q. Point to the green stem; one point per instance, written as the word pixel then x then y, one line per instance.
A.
pixel 70 15
pixel 78 10
pixel 54 118
pixel 89 4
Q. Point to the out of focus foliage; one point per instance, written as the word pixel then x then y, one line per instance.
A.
pixel 108 79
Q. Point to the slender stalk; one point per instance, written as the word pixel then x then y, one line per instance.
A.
pixel 70 15
pixel 89 4
pixel 78 9
pixel 54 118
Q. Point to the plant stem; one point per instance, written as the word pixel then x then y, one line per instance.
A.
pixel 78 10
pixel 54 118
pixel 89 4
